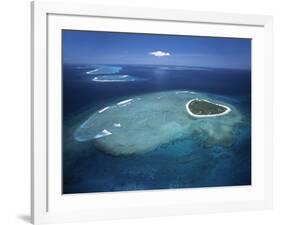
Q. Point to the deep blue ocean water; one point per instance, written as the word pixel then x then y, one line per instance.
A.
pixel 181 164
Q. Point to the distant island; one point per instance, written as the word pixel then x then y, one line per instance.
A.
pixel 204 108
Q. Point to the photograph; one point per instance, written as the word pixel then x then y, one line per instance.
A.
pixel 144 111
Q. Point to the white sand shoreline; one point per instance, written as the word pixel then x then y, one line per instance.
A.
pixel 202 116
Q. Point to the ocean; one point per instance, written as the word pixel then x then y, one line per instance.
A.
pixel 186 162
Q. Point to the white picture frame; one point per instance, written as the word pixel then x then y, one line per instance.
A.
pixel 48 205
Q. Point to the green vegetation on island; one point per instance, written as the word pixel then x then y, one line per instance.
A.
pixel 203 107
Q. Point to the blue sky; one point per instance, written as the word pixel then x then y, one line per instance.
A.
pixel 90 47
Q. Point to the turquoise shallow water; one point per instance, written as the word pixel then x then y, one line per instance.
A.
pixel 178 152
pixel 154 119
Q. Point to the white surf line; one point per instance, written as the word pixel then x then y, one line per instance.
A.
pixel 182 92
pixel 92 71
pixel 103 133
pixel 84 124
pixel 100 111
pixel 212 115
pixel 97 80
pixel 117 124
pixel 104 109
pixel 125 101
pixel 104 81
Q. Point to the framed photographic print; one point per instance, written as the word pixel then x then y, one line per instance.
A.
pixel 146 112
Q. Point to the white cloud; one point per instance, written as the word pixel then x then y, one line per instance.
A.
pixel 159 53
